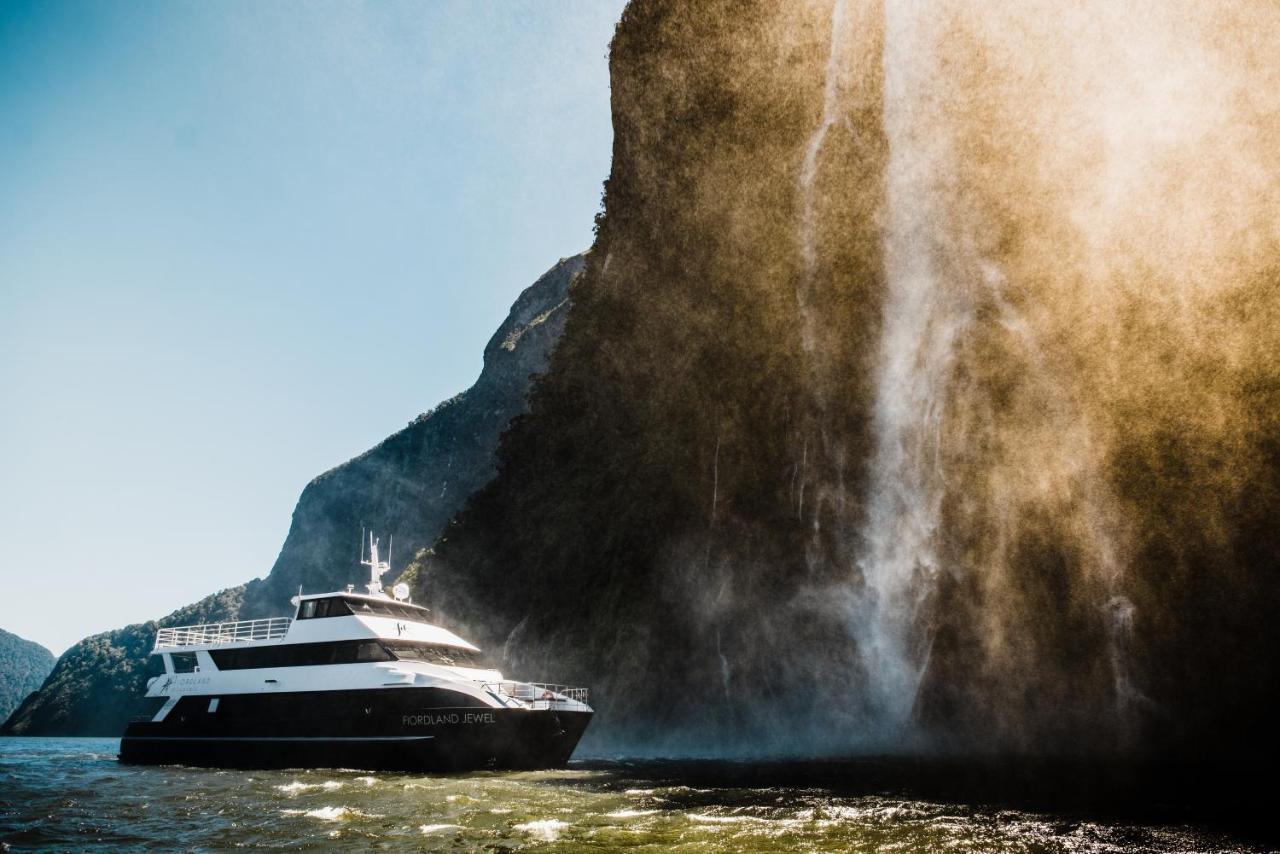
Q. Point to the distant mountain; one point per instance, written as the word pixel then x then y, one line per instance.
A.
pixel 23 666
pixel 410 485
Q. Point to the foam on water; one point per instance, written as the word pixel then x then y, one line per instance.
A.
pixel 548 829
pixel 428 829
pixel 332 813
pixel 296 787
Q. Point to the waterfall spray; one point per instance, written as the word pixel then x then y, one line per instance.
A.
pixel 926 308
pixel 831 115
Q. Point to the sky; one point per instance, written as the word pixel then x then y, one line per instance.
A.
pixel 243 241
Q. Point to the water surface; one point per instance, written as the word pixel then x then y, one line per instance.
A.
pixel 69 793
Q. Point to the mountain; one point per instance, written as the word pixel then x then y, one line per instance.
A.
pixel 920 394
pixel 409 485
pixel 23 666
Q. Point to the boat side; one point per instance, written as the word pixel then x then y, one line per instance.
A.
pixel 405 728
pixel 370 685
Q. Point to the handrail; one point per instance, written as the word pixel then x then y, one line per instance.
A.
pixel 538 691
pixel 206 634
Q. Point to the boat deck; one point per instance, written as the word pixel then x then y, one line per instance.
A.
pixel 217 634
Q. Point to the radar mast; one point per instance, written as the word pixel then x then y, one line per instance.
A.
pixel 376 567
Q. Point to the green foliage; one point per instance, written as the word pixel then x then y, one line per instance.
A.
pixel 24 665
pixel 96 685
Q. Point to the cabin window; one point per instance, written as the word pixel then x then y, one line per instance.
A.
pixel 448 656
pixel 213 705
pixel 385 608
pixel 183 662
pixel 334 606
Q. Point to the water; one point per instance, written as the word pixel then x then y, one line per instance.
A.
pixel 70 793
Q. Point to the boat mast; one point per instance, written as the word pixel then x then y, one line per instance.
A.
pixel 376 567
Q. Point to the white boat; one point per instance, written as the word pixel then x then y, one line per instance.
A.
pixel 352 680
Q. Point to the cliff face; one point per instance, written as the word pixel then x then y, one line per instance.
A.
pixel 414 481
pixel 920 391
pixel 408 485
pixel 650 532
pixel 23 666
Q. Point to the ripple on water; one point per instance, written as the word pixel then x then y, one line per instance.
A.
pixel 54 795
pixel 629 813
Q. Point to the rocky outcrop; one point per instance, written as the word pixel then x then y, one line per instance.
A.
pixel 24 665
pixel 409 485
pixel 413 482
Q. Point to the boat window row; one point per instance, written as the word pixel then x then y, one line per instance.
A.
pixel 334 606
pixel 300 655
pixel 345 606
pixel 448 656
pixel 386 608
pixel 341 652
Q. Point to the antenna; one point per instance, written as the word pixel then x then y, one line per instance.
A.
pixel 376 567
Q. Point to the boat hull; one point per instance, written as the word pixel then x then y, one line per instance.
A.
pixel 400 730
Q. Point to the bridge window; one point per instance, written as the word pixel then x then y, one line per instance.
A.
pixel 183 662
pixel 386 608
pixel 334 606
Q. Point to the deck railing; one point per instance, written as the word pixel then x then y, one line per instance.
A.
pixel 536 691
pixel 241 631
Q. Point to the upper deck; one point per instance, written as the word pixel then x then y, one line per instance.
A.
pixel 319 618
pixel 217 634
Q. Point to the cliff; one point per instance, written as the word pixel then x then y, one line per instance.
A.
pixel 905 404
pixel 410 484
pixel 23 666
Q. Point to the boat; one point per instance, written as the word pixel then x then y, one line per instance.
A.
pixel 358 680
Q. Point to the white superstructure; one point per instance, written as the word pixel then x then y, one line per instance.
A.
pixel 339 641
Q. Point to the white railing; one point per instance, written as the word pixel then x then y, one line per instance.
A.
pixel 220 633
pixel 538 691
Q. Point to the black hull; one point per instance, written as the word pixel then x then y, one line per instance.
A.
pixel 391 729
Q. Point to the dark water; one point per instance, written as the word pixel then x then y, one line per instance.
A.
pixel 71 793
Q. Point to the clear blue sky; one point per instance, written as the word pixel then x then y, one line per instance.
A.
pixel 240 242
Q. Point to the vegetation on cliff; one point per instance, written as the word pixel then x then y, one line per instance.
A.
pixel 23 666
pixel 97 684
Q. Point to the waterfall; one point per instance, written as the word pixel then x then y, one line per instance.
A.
pixel 945 297
pixel 831 114
pixel 926 308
